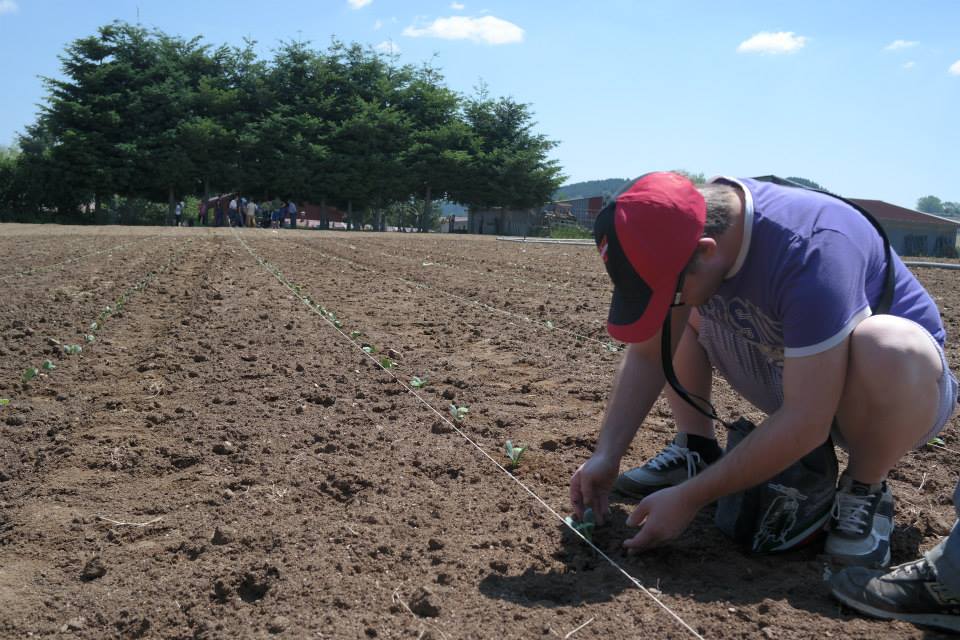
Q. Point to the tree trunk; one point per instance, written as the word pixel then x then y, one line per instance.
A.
pixel 171 205
pixel 96 208
pixel 427 203
pixel 324 224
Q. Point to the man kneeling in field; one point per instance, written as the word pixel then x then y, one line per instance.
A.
pixel 774 287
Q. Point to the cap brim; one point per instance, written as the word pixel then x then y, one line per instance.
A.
pixel 634 319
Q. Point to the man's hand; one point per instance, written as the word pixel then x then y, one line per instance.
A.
pixel 664 515
pixel 590 486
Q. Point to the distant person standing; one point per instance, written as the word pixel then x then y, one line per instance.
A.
pixel 292 213
pixel 178 214
pixel 251 214
pixel 233 208
pixel 202 211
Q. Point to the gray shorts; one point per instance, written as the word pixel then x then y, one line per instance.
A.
pixel 758 375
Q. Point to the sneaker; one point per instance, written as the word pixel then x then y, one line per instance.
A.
pixel 859 532
pixel 909 592
pixel 670 467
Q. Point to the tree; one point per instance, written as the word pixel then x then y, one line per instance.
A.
pixel 930 204
pixel 507 162
pixel 437 156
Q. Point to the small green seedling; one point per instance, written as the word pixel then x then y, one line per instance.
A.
pixel 4 402
pixel 338 324
pixel 937 442
pixel 417 382
pixel 514 454
pixel 458 413
pixel 356 334
pixel 586 526
pixel 387 363
pixel 72 349
pixel 94 326
pixel 29 374
pixel 550 324
pixel 89 337
pixel 369 349
pixel 48 365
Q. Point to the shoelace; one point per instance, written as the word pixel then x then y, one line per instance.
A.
pixel 852 512
pixel 675 453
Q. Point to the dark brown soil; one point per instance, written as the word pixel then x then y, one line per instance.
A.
pixel 222 461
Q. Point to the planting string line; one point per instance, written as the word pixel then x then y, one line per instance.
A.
pixel 609 346
pixel 48 267
pixel 313 307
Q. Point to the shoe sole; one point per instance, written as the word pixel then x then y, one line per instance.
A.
pixel 855 561
pixel 940 621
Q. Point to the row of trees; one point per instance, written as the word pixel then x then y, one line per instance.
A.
pixel 141 114
pixel 936 206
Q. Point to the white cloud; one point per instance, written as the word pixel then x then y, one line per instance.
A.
pixel 896 45
pixel 8 6
pixel 388 46
pixel 488 29
pixel 773 43
pixel 954 69
pixel 377 25
pixel 909 65
pixel 358 4
pixel 457 6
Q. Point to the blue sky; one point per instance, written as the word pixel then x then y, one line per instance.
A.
pixel 862 96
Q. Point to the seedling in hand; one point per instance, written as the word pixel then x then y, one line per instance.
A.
pixel 417 382
pixel 458 413
pixel 584 527
pixel 48 365
pixel 514 453
pixel 29 374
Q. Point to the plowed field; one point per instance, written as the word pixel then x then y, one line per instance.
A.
pixel 224 459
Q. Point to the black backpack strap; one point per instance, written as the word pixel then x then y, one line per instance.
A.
pixel 889 283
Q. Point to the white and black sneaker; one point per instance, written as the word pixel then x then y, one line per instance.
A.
pixel 683 458
pixel 910 592
pixel 859 532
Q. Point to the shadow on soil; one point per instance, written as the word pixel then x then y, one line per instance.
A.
pixel 702 565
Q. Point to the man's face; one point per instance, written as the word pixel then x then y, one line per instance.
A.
pixel 704 275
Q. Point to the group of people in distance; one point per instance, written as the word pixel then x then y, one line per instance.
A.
pixel 241 212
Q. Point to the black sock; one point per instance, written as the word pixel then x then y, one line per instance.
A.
pixel 708 448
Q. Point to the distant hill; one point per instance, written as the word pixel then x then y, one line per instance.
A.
pixel 589 188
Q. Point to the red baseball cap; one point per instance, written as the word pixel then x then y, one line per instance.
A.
pixel 646 236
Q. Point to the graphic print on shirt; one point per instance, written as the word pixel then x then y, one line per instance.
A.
pixel 750 324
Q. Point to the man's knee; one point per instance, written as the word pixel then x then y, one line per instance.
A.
pixel 888 353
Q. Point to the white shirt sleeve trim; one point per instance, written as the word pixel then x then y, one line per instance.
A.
pixel 829 343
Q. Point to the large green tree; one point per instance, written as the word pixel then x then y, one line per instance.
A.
pixel 508 162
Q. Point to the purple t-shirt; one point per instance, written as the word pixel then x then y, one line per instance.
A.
pixel 810 269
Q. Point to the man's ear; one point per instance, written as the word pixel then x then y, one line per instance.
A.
pixel 706 249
